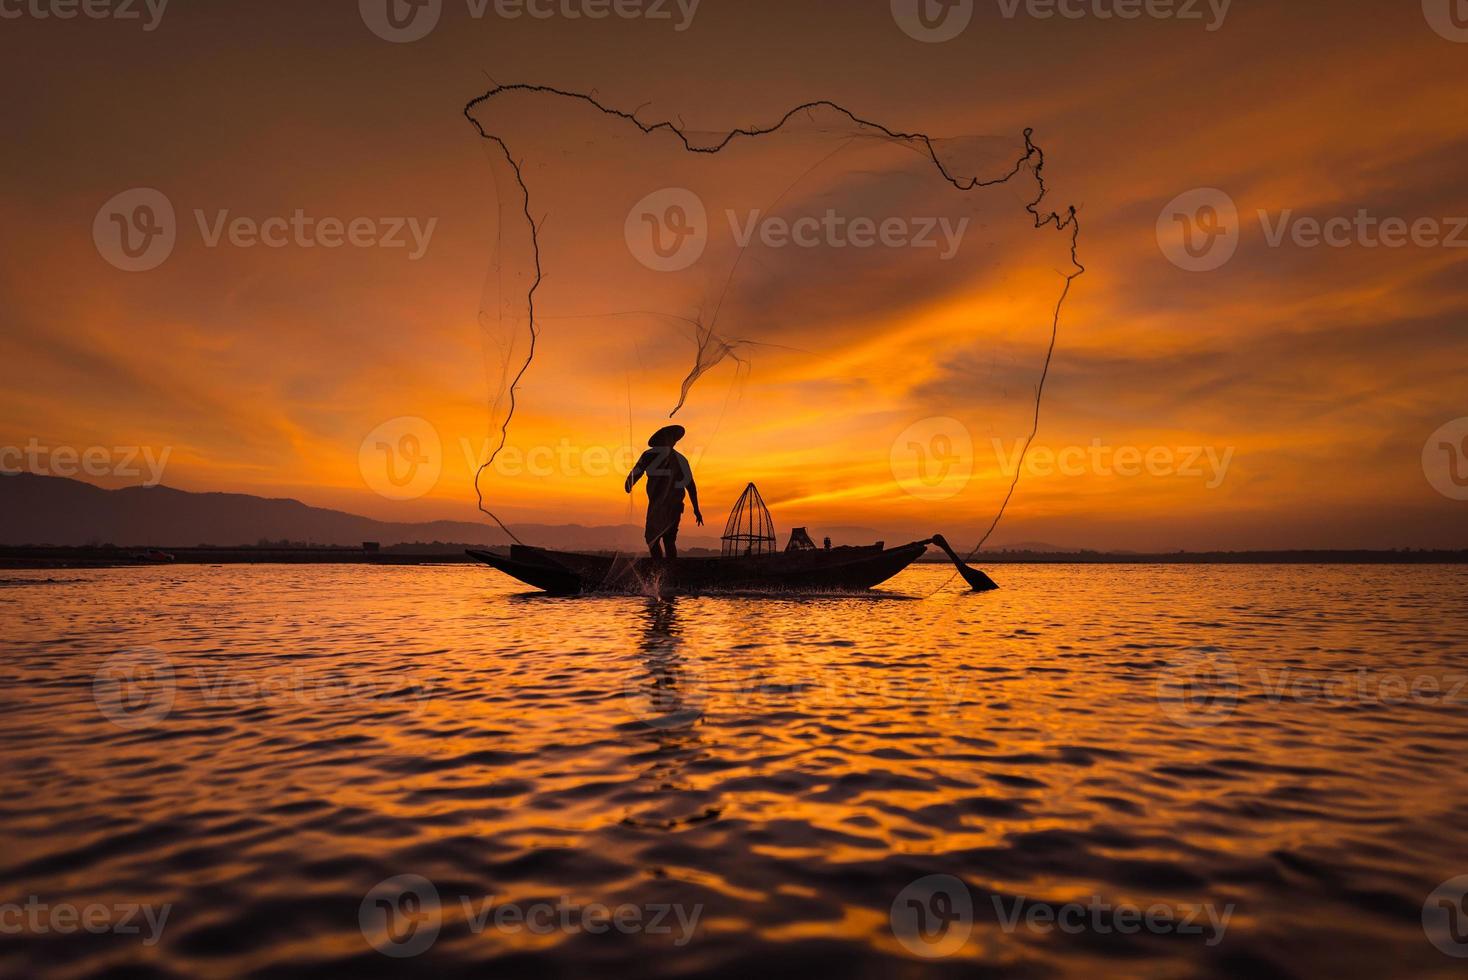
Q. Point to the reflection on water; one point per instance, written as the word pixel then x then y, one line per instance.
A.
pixel 1156 771
pixel 669 701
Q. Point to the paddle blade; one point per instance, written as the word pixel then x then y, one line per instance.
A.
pixel 976 579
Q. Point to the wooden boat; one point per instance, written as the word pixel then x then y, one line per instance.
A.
pixel 749 563
pixel 845 569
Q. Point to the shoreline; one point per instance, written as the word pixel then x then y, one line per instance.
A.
pixel 42 557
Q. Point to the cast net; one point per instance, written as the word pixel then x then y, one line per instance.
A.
pixel 858 317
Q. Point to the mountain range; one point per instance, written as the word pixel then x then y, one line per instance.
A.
pixel 47 510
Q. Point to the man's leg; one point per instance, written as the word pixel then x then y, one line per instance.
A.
pixel 661 531
pixel 652 532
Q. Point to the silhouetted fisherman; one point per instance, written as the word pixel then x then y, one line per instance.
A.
pixel 668 476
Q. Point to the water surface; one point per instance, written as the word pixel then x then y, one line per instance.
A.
pixel 1273 756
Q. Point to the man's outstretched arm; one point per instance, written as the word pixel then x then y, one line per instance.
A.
pixel 693 498
pixel 636 473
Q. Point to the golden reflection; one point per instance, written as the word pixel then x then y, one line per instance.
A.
pixel 670 701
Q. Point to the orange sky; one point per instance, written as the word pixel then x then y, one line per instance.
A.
pixel 1317 373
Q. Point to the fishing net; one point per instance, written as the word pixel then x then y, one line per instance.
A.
pixel 858 318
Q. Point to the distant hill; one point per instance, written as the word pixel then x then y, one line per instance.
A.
pixel 36 510
pixel 1032 547
pixel 46 510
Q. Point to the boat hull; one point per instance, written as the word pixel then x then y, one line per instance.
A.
pixel 836 570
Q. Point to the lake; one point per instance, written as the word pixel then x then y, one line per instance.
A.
pixel 371 771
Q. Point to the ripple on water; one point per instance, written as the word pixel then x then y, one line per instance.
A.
pixel 1240 738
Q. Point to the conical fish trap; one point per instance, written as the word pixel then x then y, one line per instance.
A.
pixel 751 530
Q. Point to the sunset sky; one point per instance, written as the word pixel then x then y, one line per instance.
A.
pixel 1294 386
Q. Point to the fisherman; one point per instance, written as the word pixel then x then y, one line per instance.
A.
pixel 668 476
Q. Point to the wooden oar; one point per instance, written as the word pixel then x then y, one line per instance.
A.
pixel 976 579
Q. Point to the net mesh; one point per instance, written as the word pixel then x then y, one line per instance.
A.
pixel 841 277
